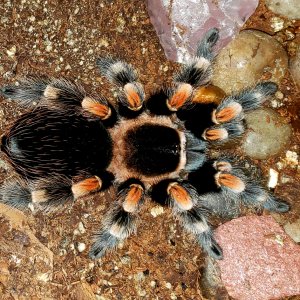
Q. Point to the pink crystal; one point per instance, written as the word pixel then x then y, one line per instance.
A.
pixel 261 261
pixel 180 24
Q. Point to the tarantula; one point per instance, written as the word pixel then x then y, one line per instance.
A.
pixel 71 144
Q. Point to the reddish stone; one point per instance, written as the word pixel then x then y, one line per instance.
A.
pixel 260 260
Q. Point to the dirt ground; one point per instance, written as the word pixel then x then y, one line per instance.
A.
pixel 63 38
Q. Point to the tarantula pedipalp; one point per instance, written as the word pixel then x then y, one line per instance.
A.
pixel 71 144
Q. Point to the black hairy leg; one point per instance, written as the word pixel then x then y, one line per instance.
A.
pixel 233 182
pixel 186 206
pixel 194 74
pixel 47 194
pixel 59 94
pixel 121 219
pixel 123 75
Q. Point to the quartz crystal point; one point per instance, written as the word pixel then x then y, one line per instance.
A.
pixel 180 24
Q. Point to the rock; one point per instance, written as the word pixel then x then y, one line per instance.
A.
pixel 273 178
pixel 294 65
pixel 293 230
pixel 260 262
pixel 267 134
pixel 82 290
pixel 156 211
pixel 23 247
pixel 181 24
pixel 251 56
pixel 287 8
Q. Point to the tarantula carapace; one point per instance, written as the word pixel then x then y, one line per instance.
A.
pixel 71 144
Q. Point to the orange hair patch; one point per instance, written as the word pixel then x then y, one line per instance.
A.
pixel 133 197
pixel 227 113
pixel 215 134
pixel 96 108
pixel 180 195
pixel 230 181
pixel 180 97
pixel 133 98
pixel 86 186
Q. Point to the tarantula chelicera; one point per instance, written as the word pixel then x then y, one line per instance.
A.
pixel 71 144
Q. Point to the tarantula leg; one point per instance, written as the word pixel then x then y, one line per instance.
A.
pixel 205 47
pixel 46 193
pixel 184 201
pixel 194 74
pixel 121 219
pixel 233 181
pixel 256 195
pixel 43 194
pixel 124 76
pixel 223 132
pixel 198 71
pixel 56 94
pixel 28 91
pixel 233 107
pixel 16 193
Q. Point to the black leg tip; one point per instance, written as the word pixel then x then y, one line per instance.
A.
pixel 215 251
pixel 212 36
pixel 96 253
pixel 268 87
pixel 281 207
pixel 6 91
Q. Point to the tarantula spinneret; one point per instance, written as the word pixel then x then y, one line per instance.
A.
pixel 71 144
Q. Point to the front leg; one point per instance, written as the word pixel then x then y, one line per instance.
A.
pixel 194 74
pixel 233 183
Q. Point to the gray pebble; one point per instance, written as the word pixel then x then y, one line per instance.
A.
pixel 267 135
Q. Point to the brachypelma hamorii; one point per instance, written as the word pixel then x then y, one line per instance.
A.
pixel 71 144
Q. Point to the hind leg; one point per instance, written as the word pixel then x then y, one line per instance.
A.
pixel 46 193
pixel 121 219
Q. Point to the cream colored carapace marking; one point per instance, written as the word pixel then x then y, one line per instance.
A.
pixel 118 166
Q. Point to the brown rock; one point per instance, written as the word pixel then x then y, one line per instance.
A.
pixel 260 260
